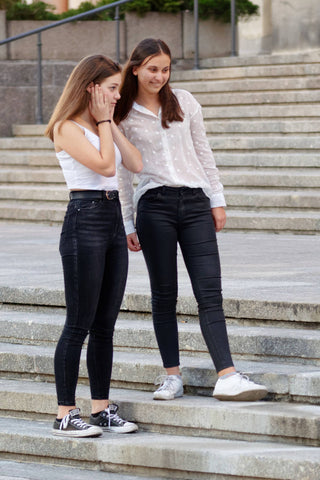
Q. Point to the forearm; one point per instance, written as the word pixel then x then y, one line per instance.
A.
pixel 107 153
pixel 131 157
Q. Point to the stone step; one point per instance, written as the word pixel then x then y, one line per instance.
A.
pixel 134 332
pixel 261 142
pixel 276 199
pixel 31 175
pixel 253 99
pixel 32 211
pixel 252 309
pixel 138 370
pixel 152 454
pixel 245 84
pixel 25 143
pixel 267 159
pixel 262 112
pixel 187 416
pixel 45 193
pixel 279 126
pixel 275 178
pixel 235 197
pixel 34 130
pixel 32 158
pixel 264 220
pixel 11 470
pixel 267 127
pixel 301 222
pixel 248 71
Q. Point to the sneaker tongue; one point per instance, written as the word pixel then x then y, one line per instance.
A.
pixel 75 412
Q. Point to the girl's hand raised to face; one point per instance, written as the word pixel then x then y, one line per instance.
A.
pixel 100 106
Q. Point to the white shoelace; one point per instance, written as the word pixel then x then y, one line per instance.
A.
pixel 77 421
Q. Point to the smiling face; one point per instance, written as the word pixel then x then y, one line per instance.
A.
pixel 153 74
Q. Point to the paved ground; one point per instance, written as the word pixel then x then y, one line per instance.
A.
pixel 255 266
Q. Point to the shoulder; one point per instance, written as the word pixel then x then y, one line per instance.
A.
pixel 186 100
pixel 66 127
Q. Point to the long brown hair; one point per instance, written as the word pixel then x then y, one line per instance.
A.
pixel 171 110
pixel 75 98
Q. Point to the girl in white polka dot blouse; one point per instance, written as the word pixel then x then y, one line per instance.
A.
pixel 179 199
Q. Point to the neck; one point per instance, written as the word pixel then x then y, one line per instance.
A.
pixel 86 119
pixel 151 102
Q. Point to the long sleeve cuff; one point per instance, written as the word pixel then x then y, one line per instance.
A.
pixel 217 200
pixel 129 227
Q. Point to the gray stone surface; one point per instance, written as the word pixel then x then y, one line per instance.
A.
pixel 150 453
pixel 134 332
pixel 271 421
pixel 139 369
pixel 35 471
pixel 264 268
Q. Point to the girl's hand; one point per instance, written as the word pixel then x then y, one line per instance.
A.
pixel 100 106
pixel 133 242
pixel 219 217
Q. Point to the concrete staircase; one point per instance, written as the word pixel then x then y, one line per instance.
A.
pixel 188 438
pixel 262 119
pixel 191 438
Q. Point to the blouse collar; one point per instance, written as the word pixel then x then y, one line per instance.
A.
pixel 145 110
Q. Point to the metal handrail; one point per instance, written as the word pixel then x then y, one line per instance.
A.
pixel 117 4
pixel 38 31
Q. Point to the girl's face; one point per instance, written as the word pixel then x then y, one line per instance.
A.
pixel 110 87
pixel 153 73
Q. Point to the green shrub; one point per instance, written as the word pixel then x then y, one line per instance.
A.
pixel 38 10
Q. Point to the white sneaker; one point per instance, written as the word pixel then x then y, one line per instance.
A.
pixel 238 387
pixel 171 387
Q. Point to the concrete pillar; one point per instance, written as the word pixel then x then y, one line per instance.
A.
pixel 296 25
pixel 255 33
pixel 3 35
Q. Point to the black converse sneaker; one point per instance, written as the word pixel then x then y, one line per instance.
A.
pixel 73 426
pixel 110 421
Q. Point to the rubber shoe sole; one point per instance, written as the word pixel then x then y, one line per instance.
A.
pixel 248 396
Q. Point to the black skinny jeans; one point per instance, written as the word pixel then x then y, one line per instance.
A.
pixel 94 255
pixel 166 216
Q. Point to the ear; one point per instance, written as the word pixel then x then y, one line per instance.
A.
pixel 89 87
pixel 135 70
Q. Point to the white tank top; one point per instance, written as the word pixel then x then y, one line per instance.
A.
pixel 78 176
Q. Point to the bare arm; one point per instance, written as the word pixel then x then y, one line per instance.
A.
pixel 131 157
pixel 70 137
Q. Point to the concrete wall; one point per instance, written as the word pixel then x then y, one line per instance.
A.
pixel 18 91
pixel 66 42
pixel 296 25
pixel 282 26
pixel 255 33
pixel 75 40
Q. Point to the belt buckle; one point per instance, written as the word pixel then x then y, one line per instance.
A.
pixel 110 194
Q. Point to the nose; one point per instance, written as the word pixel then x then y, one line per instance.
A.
pixel 117 96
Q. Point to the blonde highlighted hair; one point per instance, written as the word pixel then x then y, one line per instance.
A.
pixel 75 98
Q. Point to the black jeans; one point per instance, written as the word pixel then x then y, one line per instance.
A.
pixel 166 216
pixel 94 255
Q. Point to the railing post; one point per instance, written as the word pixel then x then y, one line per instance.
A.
pixel 117 19
pixel 196 34
pixel 39 94
pixel 233 29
